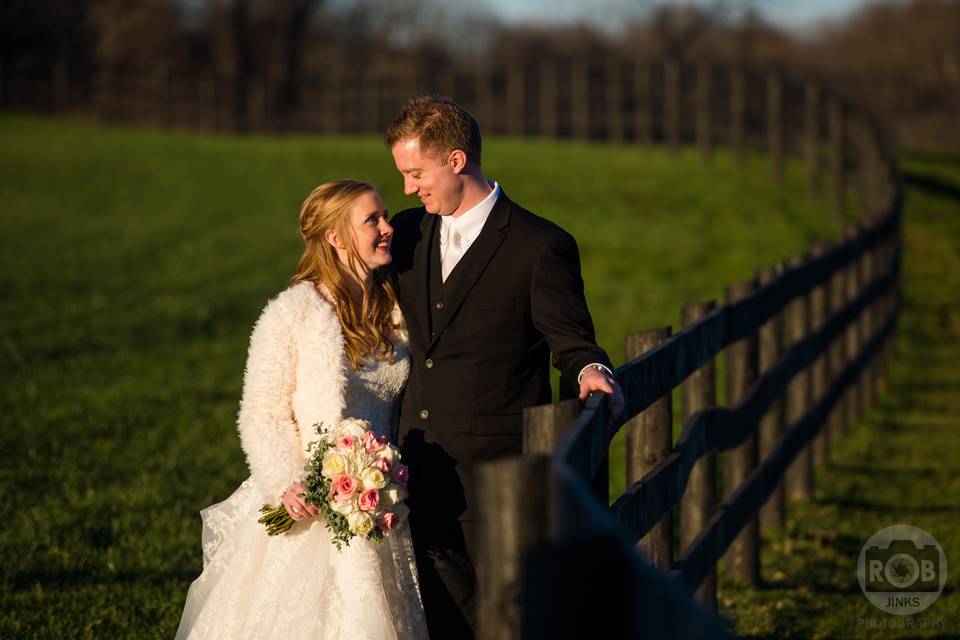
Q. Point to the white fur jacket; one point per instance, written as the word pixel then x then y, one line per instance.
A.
pixel 295 377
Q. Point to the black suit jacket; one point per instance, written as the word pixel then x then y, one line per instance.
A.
pixel 481 344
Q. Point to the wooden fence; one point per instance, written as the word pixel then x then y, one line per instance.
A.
pixel 805 344
pixel 630 100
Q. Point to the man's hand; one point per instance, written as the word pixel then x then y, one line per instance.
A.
pixel 595 380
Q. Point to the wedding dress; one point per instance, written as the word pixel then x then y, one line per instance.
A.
pixel 297 585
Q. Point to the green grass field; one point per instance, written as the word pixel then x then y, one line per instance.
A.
pixel 899 465
pixel 135 263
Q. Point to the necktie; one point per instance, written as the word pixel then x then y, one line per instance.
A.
pixel 451 252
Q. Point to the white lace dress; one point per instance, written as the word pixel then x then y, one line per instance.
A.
pixel 298 585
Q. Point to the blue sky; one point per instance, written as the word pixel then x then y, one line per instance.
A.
pixel 797 14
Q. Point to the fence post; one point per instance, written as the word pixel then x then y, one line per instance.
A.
pixel 514 521
pixel 868 385
pixel 548 99
pixel 837 170
pixel 208 101
pixel 515 101
pixel 257 104
pixel 812 130
pixel 885 254
pixel 672 102
pixel 838 416
pixel 649 441
pixel 483 86
pixel 773 514
pixel 704 109
pixel 738 109
pixel 853 333
pixel 775 124
pixel 162 96
pixel 216 97
pixel 819 379
pixel 614 77
pixel 862 176
pixel 742 560
pixel 643 101
pixel 698 392
pixel 869 167
pixel 99 93
pixel 329 105
pixel 60 81
pixel 800 473
pixel 542 428
pixel 370 103
pixel 544 425
pixel 580 99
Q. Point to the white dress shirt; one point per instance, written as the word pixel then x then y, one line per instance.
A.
pixel 457 234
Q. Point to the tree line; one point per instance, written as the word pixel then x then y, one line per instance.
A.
pixel 902 59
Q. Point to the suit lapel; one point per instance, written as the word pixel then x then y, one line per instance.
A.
pixel 471 266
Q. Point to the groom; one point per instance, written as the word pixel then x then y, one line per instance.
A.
pixel 489 291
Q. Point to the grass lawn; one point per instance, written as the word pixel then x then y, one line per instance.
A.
pixel 901 464
pixel 135 262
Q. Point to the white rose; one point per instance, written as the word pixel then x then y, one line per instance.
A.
pixel 392 494
pixel 353 427
pixel 360 523
pixel 390 454
pixel 344 508
pixel 373 479
pixel 333 464
pixel 356 461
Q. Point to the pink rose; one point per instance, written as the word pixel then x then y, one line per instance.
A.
pixel 373 443
pixel 346 443
pixel 388 521
pixel 369 499
pixel 382 465
pixel 343 487
pixel 401 475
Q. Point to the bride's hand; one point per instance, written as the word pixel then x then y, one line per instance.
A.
pixel 297 507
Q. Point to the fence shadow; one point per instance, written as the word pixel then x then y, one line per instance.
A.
pixel 932 184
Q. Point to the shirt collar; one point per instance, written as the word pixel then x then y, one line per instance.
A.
pixel 471 221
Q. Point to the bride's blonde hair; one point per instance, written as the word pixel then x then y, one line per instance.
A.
pixel 366 327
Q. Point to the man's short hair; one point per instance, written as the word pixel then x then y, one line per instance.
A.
pixel 440 124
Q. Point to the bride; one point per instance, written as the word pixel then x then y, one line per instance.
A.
pixel 330 346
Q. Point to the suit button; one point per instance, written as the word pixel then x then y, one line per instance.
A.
pixel 440 306
pixel 428 363
pixel 424 414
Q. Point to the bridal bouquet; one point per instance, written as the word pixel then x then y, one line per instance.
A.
pixel 356 481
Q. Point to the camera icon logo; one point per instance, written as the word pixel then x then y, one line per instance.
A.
pixel 902 569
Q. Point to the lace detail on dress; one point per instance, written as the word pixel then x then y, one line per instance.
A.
pixel 373 392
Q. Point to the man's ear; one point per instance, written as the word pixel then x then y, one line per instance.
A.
pixel 457 160
pixel 334 239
